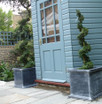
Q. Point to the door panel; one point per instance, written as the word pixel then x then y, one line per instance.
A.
pixel 46 57
pixel 57 60
pixel 51 41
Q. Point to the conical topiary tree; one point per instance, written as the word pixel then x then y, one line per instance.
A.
pixel 87 64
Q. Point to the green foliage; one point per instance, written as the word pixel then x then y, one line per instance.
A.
pixel 6 74
pixel 85 46
pixel 23 31
pixel 24 49
pixel 1 40
pixel 24 53
pixel 5 21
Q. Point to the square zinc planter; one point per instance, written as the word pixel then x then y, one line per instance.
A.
pixel 24 78
pixel 86 84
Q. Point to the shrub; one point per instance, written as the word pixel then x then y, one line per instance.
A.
pixel 23 50
pixel 83 52
pixel 6 74
pixel 23 31
pixel 24 53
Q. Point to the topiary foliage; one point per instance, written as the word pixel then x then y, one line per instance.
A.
pixel 24 53
pixel 83 52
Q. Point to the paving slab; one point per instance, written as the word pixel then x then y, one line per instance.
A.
pixel 24 91
pixel 46 94
pixel 97 101
pixel 6 85
pixel 5 93
pixel 2 83
pixel 55 99
pixel 43 93
pixel 26 101
pixel 12 98
pixel 80 102
pixel 39 92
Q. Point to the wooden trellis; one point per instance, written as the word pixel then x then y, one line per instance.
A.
pixel 7 40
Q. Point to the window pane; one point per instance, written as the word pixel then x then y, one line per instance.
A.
pixel 56 19
pixel 57 38
pixel 49 21
pixel 41 5
pixel 47 3
pixel 55 1
pixel 49 40
pixel 43 23
pixel 44 41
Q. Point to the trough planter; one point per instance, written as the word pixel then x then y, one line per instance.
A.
pixel 24 78
pixel 86 84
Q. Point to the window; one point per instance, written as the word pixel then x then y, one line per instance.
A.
pixel 49 21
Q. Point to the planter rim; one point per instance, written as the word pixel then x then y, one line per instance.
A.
pixel 95 69
pixel 22 68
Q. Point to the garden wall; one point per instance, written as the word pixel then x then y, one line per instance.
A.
pixel 5 54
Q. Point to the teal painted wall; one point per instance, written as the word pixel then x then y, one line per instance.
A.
pixel 67 36
pixel 92 10
pixel 36 38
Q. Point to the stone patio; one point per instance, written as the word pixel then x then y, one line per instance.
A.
pixel 36 95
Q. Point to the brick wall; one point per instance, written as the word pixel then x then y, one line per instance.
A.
pixel 5 54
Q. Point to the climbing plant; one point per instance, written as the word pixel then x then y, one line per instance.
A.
pixel 83 52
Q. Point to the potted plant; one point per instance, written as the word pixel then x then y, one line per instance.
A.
pixel 24 76
pixel 85 82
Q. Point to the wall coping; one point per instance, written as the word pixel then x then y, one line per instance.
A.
pixel 7 46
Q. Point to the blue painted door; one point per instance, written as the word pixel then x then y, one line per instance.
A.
pixel 51 40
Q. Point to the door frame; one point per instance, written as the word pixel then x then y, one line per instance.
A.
pixel 61 32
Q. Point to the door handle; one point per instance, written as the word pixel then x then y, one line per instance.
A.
pixel 40 41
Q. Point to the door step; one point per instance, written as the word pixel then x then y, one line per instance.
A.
pixel 53 83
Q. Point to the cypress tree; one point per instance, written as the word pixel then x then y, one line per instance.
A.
pixel 83 52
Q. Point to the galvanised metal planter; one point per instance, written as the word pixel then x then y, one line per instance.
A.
pixel 24 78
pixel 86 84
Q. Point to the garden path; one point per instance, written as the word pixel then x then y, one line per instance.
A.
pixel 35 95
